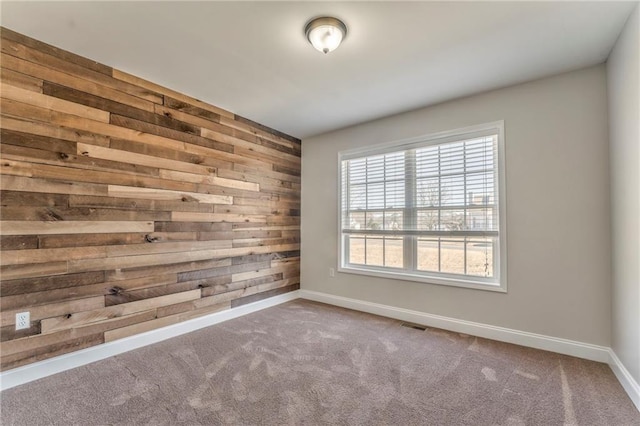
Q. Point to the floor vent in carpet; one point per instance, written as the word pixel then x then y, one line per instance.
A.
pixel 415 326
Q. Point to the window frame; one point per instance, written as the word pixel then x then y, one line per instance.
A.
pixel 439 278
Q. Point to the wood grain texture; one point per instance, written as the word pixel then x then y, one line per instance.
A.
pixel 45 73
pixel 32 98
pixel 127 206
pixel 21 80
pixel 166 195
pixel 22 227
pixel 18 242
pixel 47 283
pixel 120 75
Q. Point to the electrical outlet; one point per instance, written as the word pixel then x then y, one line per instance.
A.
pixel 332 272
pixel 23 320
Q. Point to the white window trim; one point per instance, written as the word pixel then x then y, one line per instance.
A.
pixel 496 127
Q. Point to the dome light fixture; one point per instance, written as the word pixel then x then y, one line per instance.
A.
pixel 325 33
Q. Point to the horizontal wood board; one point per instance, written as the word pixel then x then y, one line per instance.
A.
pixel 126 206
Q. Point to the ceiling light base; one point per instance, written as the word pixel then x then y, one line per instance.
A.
pixel 325 33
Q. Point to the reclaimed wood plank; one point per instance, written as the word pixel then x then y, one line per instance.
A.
pixel 258 242
pixel 35 56
pixel 141 159
pixel 121 75
pixel 176 135
pixel 294 171
pixel 194 308
pixel 250 258
pixel 18 227
pixel 208 282
pixel 86 240
pixel 45 73
pixel 293 147
pixel 101 313
pixel 10 333
pixel 190 108
pixel 184 117
pixel 256 210
pixel 26 125
pixel 126 296
pixel 161 237
pixel 244 148
pixel 85 126
pixel 239 130
pixel 275 204
pixel 80 213
pixel 18 242
pixel 167 247
pixel 73 161
pixel 225 287
pixel 254 227
pixel 252 164
pixel 269 130
pixel 26 184
pixel 39 312
pixel 53 282
pixel 222 271
pixel 157 279
pixel 214 235
pixel 271 173
pixel 263 295
pixel 193 227
pixel 21 80
pixel 114 107
pixel 34 342
pixel 142 204
pixel 143 273
pixel 27 140
pixel 18 257
pixel 207 159
pixel 12 272
pixel 166 195
pixel 29 299
pixel 104 325
pixel 46 351
pixel 209 180
pixel 285 269
pixel 216 217
pixel 40 100
pixel 44 156
pixel 240 234
pixel 165 258
pixel 121 180
pixel 164 321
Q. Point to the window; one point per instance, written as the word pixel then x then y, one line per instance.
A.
pixel 429 209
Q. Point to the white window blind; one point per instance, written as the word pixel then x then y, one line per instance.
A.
pixel 427 208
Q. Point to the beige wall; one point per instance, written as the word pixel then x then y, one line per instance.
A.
pixel 557 209
pixel 624 134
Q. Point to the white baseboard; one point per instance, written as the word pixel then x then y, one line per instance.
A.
pixel 624 377
pixel 523 338
pixel 38 370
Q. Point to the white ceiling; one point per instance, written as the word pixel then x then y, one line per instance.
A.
pixel 252 58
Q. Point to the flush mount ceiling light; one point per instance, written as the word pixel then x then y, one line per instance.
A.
pixel 325 33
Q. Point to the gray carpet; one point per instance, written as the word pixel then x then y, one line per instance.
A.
pixel 305 363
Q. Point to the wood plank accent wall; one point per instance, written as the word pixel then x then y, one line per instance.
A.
pixel 126 206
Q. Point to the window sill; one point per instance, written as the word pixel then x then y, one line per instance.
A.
pixel 406 276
